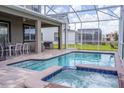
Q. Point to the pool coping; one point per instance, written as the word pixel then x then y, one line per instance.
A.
pixel 54 56
pixel 96 67
pixel 118 64
pixel 38 81
pixel 66 52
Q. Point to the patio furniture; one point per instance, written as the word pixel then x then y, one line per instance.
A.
pixel 18 49
pixel 10 49
pixel 48 45
pixel 25 48
pixel 3 52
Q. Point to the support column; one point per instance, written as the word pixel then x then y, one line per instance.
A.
pixel 66 36
pixel 121 33
pixel 60 37
pixel 38 37
pixel 81 35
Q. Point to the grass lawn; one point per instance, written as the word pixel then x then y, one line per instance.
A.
pixel 105 47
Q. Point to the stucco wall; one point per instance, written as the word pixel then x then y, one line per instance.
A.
pixel 16 25
pixel 16 28
pixel 70 37
pixel 48 35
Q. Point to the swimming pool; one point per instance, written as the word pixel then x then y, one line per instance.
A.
pixel 69 60
pixel 84 79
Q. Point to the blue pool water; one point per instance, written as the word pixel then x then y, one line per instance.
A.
pixel 85 79
pixel 70 59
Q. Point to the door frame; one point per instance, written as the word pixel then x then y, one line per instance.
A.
pixel 9 28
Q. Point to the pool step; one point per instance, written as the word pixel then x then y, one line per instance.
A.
pixel 100 69
pixel 70 67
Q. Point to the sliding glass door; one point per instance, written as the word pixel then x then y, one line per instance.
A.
pixel 4 38
pixel 4 32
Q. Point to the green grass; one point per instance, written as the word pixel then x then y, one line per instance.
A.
pixel 105 47
pixel 56 46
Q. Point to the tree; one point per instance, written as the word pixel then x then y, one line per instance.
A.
pixel 116 36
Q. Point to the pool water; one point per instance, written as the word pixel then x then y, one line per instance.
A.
pixel 85 79
pixel 70 59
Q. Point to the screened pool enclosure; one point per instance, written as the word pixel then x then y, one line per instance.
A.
pixel 83 27
pixel 88 27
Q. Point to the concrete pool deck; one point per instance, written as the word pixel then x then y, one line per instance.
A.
pixel 15 77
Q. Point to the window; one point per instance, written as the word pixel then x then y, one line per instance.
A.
pixel 29 33
pixel 4 32
pixel 36 8
pixel 56 36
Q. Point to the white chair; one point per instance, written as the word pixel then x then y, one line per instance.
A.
pixel 1 51
pixel 18 49
pixel 10 49
pixel 25 48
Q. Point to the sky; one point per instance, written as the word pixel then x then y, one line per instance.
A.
pixel 106 26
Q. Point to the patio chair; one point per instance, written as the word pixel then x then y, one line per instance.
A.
pixel 10 49
pixel 18 49
pixel 25 48
pixel 48 45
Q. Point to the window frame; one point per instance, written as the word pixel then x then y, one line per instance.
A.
pixel 30 36
pixel 9 29
pixel 36 8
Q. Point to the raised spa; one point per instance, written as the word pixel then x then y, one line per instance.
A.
pixel 84 79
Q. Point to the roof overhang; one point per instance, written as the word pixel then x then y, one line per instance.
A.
pixel 20 11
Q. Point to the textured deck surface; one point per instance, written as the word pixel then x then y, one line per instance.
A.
pixel 15 77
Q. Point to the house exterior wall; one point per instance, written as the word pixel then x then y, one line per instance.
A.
pixel 16 15
pixel 71 37
pixel 16 29
pixel 48 35
pixel 36 8
pixel 91 35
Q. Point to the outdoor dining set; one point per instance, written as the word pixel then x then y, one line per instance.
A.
pixel 14 49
